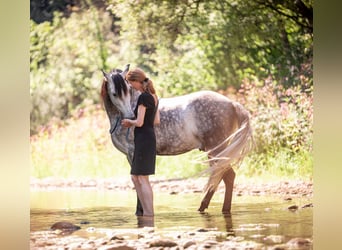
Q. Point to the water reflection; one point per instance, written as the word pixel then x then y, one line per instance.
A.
pixel 251 217
pixel 145 221
pixel 211 221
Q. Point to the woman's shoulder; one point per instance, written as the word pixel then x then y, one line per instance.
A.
pixel 146 98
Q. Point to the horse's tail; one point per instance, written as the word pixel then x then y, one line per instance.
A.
pixel 242 142
pixel 235 148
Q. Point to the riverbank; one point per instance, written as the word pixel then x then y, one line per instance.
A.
pixel 190 185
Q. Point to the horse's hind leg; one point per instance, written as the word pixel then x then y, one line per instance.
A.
pixel 206 200
pixel 228 178
pixel 214 180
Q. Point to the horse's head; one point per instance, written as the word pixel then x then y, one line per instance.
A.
pixel 116 87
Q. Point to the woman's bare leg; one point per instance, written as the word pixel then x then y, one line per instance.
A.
pixel 145 193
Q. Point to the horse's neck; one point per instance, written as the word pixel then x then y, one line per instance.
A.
pixel 112 113
pixel 121 137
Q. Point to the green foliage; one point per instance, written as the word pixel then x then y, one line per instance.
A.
pixel 184 46
pixel 227 40
pixel 281 118
pixel 66 58
pixel 282 121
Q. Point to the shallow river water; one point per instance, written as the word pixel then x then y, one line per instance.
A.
pixel 253 217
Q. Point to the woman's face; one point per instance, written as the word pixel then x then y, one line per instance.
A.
pixel 136 85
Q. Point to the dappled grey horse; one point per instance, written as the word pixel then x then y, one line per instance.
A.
pixel 203 120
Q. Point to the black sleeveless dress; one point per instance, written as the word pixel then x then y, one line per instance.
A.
pixel 144 159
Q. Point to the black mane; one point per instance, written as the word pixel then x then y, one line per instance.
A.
pixel 119 83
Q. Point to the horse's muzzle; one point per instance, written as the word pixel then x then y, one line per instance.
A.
pixel 130 118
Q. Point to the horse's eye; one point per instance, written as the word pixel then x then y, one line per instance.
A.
pixel 114 94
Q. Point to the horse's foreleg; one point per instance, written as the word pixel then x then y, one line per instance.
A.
pixel 228 179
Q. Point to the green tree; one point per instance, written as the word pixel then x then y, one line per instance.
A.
pixel 230 40
pixel 66 56
pixel 184 46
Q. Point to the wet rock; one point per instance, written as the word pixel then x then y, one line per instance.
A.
pixel 88 245
pixel 298 242
pixel 279 247
pixel 116 247
pixel 188 244
pixel 307 205
pixel 210 243
pixel 274 239
pixel 162 243
pixel 293 208
pixel 197 191
pixel 64 227
pixel 117 237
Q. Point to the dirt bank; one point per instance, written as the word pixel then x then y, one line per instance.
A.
pixel 241 187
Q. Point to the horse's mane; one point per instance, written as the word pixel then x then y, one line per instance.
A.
pixel 104 93
pixel 119 84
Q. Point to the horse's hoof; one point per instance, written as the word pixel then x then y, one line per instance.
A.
pixel 201 209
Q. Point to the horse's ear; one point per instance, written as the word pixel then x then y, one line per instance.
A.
pixel 104 73
pixel 125 70
pixel 127 67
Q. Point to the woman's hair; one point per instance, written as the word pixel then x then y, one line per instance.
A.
pixel 139 75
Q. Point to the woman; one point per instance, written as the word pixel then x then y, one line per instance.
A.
pixel 144 159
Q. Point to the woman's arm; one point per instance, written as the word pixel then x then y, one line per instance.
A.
pixel 157 117
pixel 137 122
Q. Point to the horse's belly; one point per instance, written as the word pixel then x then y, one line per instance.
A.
pixel 174 145
pixel 174 150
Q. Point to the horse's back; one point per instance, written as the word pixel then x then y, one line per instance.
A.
pixel 198 120
pixel 217 118
pixel 182 101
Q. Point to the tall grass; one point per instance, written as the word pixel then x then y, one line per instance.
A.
pixel 81 147
pixel 282 121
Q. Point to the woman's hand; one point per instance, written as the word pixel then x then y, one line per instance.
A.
pixel 126 123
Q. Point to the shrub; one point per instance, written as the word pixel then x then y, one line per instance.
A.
pixel 282 121
pixel 281 118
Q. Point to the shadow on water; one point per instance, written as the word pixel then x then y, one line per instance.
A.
pixel 252 217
